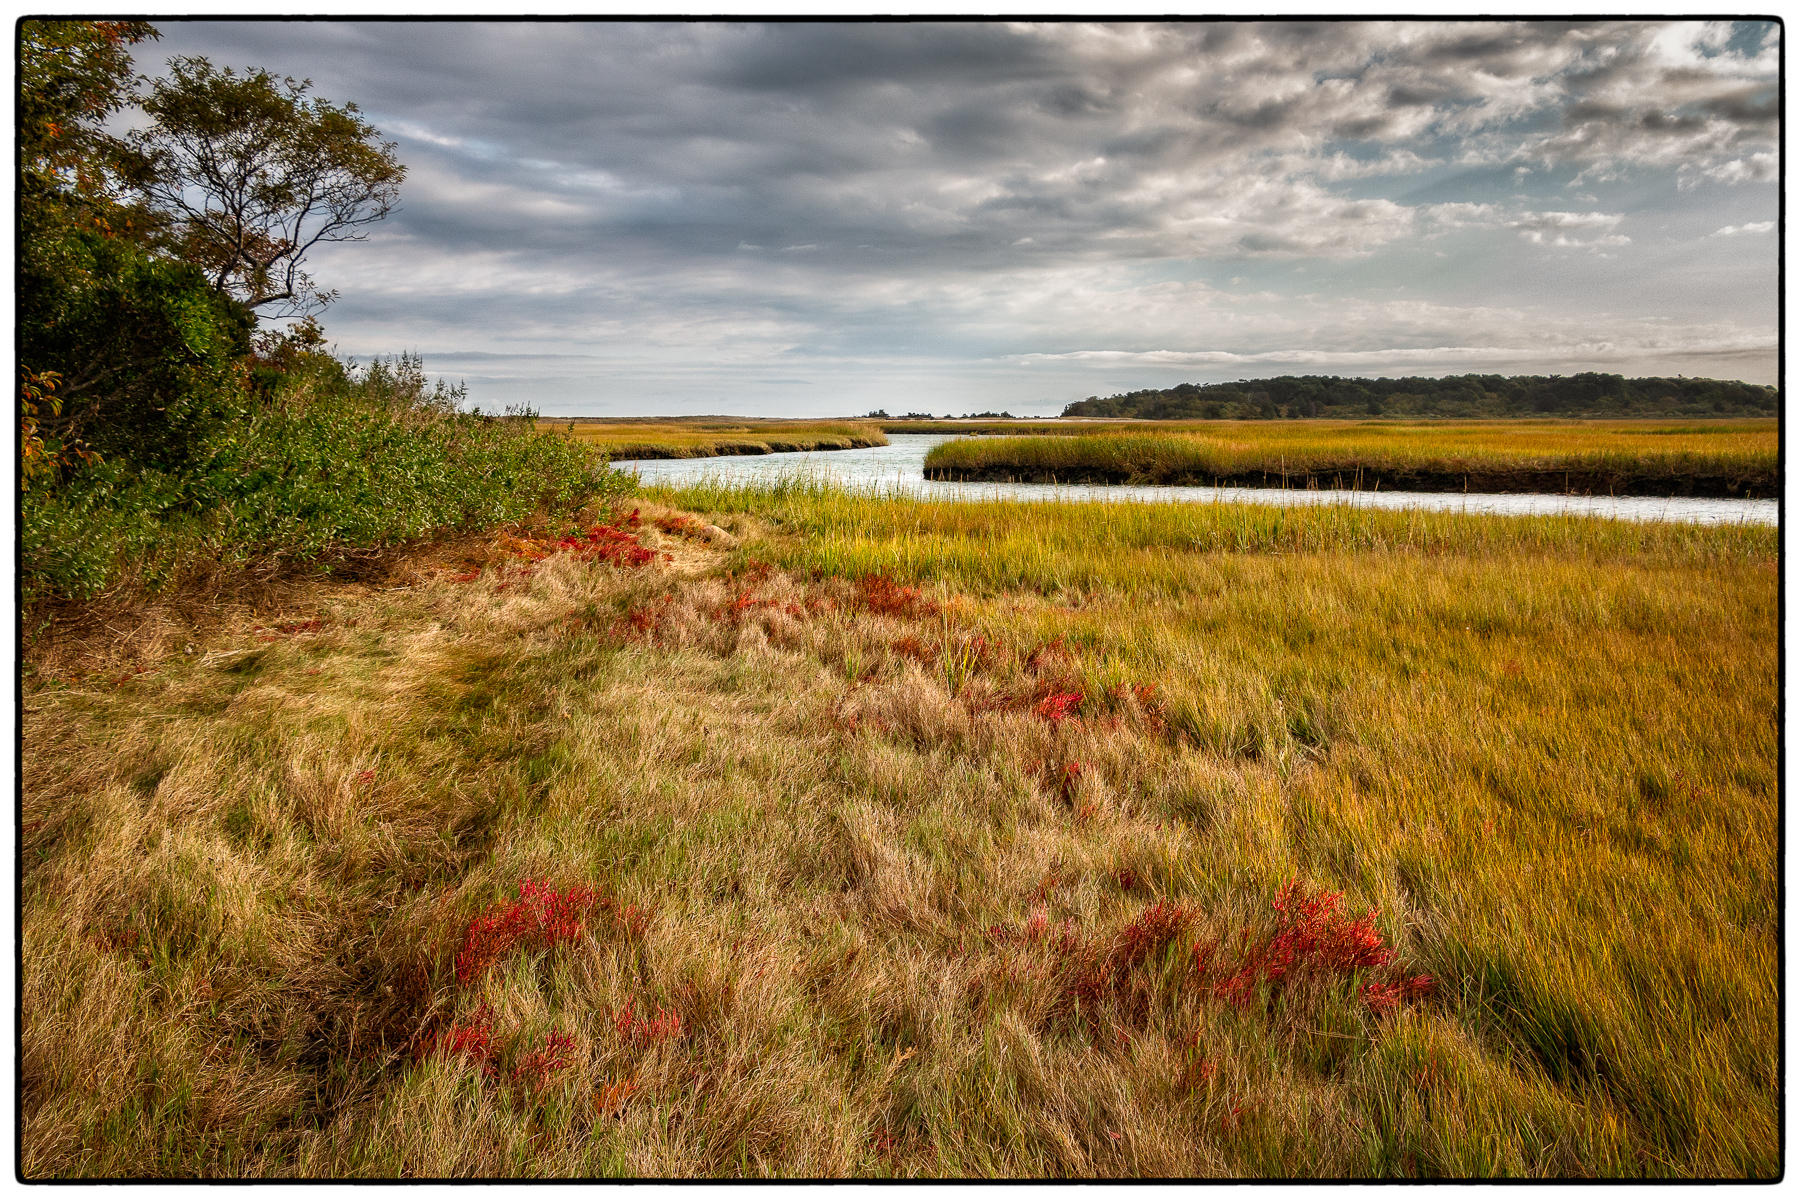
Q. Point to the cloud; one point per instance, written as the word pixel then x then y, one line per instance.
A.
pixel 659 193
pixel 1749 227
pixel 1761 167
pixel 1579 230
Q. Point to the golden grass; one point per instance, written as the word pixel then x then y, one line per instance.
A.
pixel 1626 455
pixel 706 437
pixel 900 935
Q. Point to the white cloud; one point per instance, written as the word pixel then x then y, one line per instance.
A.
pixel 1750 227
pixel 1574 230
pixel 1756 168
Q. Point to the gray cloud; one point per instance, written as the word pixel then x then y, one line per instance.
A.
pixel 832 192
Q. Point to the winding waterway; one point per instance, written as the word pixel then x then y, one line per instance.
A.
pixel 899 467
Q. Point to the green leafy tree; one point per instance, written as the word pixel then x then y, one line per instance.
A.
pixel 250 172
pixel 72 76
pixel 123 350
pixel 146 354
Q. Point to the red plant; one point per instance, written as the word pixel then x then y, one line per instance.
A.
pixel 608 544
pixel 747 601
pixel 1384 998
pixel 1151 931
pixel 913 648
pixel 555 1054
pixel 643 620
pixel 125 940
pixel 979 649
pixel 541 917
pixel 473 1040
pixel 1108 969
pixel 1088 971
pixel 635 1031
pixel 610 1100
pixel 1149 702
pixel 1037 931
pixel 1196 1068
pixel 1316 941
pixel 679 525
pixel 1059 706
pixel 508 577
pixel 882 595
pixel 629 917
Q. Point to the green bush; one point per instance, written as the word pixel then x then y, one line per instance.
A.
pixel 146 351
pixel 331 461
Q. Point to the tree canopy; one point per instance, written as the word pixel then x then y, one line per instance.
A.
pixel 144 261
pixel 72 76
pixel 1589 394
pixel 250 172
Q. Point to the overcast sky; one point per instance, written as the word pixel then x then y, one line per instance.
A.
pixel 829 218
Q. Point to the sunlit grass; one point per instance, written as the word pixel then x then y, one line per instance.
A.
pixel 1149 548
pixel 699 437
pixel 1592 452
pixel 877 840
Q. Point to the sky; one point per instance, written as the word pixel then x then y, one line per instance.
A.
pixel 832 218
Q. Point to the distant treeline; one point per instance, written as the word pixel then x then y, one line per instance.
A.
pixel 1586 395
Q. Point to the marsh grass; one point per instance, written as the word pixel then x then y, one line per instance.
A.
pixel 1593 455
pixel 695 437
pixel 912 838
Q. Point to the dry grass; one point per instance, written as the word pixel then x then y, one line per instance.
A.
pixel 973 879
pixel 707 437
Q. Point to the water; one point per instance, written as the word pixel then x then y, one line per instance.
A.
pixel 900 467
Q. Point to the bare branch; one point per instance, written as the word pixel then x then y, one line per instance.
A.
pixel 252 173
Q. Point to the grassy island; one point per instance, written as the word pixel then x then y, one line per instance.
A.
pixel 709 437
pixel 1737 458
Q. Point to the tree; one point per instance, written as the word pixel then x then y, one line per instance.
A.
pixel 250 172
pixel 122 350
pixel 72 76
pixel 143 349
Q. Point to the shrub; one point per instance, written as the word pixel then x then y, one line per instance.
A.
pixel 330 460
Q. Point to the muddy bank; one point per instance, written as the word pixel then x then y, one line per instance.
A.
pixel 1737 486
